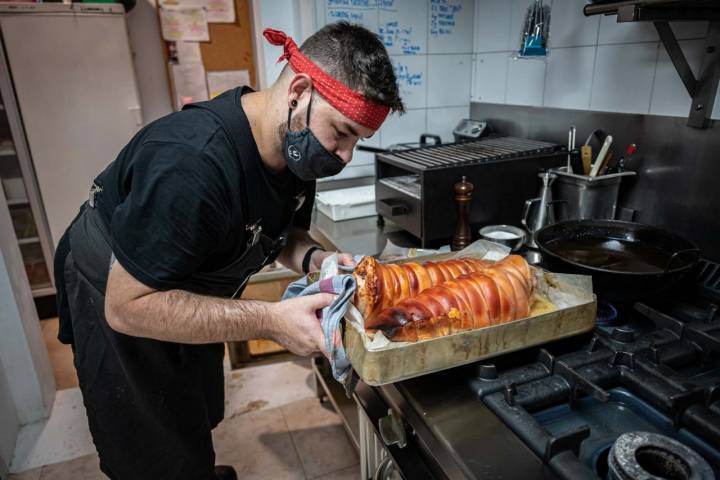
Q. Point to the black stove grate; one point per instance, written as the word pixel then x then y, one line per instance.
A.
pixel 473 152
pixel 673 367
pixel 709 277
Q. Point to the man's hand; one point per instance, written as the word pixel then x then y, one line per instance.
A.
pixel 295 325
pixel 318 256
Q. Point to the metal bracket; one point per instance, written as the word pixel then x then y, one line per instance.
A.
pixel 702 89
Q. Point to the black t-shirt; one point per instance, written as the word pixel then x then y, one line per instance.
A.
pixel 174 198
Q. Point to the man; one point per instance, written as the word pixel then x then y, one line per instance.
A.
pixel 192 206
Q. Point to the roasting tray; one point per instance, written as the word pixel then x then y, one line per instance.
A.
pixel 570 294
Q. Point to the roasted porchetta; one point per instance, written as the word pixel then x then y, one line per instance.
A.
pixel 489 296
pixel 380 286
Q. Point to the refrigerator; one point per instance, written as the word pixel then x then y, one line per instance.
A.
pixel 68 71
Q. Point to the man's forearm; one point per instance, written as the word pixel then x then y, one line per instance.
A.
pixel 184 317
pixel 299 242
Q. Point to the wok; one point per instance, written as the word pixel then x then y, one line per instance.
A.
pixel 628 261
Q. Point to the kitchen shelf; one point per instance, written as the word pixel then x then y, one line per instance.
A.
pixel 29 240
pixel 703 88
pixel 18 184
pixel 43 291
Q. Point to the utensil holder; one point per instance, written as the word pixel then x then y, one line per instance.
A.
pixel 586 197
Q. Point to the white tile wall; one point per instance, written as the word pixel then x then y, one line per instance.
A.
pixel 526 81
pixel 450 25
pixel 449 80
pixel 490 77
pixel 442 121
pixel 689 30
pixel 669 95
pixel 569 77
pixel 492 25
pixel 362 15
pixel 412 74
pixel 403 129
pixel 623 77
pixel 626 32
pixel 593 62
pixel 403 26
pixel 569 27
pixel 447 52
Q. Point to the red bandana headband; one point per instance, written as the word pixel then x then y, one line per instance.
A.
pixel 350 103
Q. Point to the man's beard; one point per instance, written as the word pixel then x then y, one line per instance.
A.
pixel 297 122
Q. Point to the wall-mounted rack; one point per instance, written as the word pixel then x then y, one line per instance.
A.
pixel 702 89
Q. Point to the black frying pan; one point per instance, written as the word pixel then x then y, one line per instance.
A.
pixel 627 261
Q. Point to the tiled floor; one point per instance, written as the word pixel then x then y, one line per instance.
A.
pixel 300 440
pixel 61 357
pixel 274 427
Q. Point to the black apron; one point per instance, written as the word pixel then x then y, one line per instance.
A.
pixel 151 405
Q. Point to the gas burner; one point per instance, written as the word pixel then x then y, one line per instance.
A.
pixel 658 375
pixel 606 314
pixel 647 456
pixel 623 334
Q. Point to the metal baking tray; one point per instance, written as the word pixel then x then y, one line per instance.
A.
pixel 570 294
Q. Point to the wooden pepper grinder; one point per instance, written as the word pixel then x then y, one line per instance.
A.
pixel 463 195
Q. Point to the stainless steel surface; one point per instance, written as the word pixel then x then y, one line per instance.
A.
pixel 538 211
pixel 533 257
pixel 571 145
pixel 586 197
pixel 493 233
pixel 358 236
pixel 676 187
pixel 446 417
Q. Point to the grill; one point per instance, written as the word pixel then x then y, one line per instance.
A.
pixel 414 188
pixel 470 153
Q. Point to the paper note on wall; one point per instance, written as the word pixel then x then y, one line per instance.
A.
pixel 188 83
pixel 219 82
pixel 220 11
pixel 183 23
pixel 188 52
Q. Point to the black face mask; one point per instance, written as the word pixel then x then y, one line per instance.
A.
pixel 305 155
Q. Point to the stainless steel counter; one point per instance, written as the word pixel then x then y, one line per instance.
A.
pixel 359 235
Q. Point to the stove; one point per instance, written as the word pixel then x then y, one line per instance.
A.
pixel 639 396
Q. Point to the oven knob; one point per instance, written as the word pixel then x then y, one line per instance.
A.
pixel 392 429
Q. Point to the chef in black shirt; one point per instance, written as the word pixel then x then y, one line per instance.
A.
pixel 149 272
